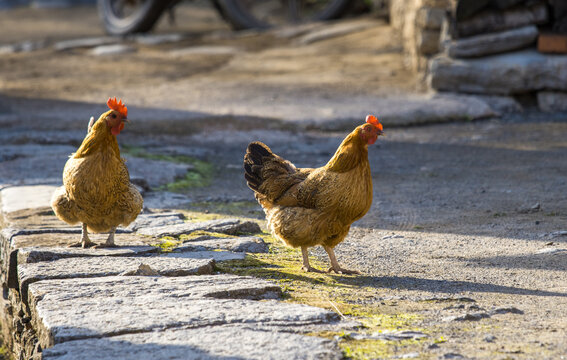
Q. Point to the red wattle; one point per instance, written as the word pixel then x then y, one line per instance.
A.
pixel 116 130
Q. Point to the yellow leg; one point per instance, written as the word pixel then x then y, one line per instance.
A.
pixel 335 264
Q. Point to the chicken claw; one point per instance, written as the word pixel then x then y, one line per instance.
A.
pixel 335 264
pixel 109 242
pixel 306 267
pixel 309 268
pixel 85 241
pixel 340 270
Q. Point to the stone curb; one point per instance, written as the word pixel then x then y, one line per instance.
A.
pixel 65 302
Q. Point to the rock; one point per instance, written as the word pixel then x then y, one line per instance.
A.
pixel 84 43
pixel 165 200
pixel 334 30
pixel 506 310
pixel 288 32
pixel 468 317
pixel 512 73
pixel 430 18
pixel 493 43
pixel 206 50
pixel 28 255
pixel 249 244
pixel 115 49
pixel 453 356
pixel 143 270
pixel 26 197
pixel 490 21
pixel 531 209
pixel 489 338
pixel 502 104
pixel 550 101
pixel 146 168
pixel 549 251
pixel 427 42
pixel 217 256
pixel 205 343
pixel 104 266
pixel 72 309
pixel 159 39
pixel 156 220
pixel 558 233
pixel 225 226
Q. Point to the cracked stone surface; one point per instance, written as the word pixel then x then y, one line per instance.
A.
pixel 158 303
pixel 99 266
pixel 156 220
pixel 250 244
pixel 238 342
pixel 34 254
pixel 225 226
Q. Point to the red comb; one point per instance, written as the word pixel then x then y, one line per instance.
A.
pixel 371 119
pixel 117 105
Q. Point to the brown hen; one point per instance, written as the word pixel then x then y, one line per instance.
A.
pixel 96 187
pixel 308 207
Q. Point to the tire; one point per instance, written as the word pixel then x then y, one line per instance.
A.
pixel 141 19
pixel 242 14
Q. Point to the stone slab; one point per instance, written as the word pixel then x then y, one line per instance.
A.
pixel 236 342
pixel 165 200
pixel 84 43
pixel 35 254
pixel 413 110
pixel 494 43
pixel 217 256
pixel 156 220
pixel 225 226
pixel 206 50
pixel 101 266
pixel 46 238
pixel 493 21
pixel 550 101
pixel 334 30
pixel 114 49
pixel 430 18
pixel 249 244
pixel 26 197
pixel 70 309
pixel 157 39
pixel 512 73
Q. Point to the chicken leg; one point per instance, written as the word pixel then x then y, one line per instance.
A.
pixel 335 264
pixel 306 266
pixel 109 241
pixel 85 241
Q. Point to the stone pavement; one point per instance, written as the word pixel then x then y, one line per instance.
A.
pixel 137 302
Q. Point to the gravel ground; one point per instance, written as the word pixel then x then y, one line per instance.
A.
pixel 469 220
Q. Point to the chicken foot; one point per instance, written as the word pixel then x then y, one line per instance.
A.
pixel 85 241
pixel 306 267
pixel 109 241
pixel 335 264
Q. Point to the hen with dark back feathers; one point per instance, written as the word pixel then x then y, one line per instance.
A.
pixel 308 207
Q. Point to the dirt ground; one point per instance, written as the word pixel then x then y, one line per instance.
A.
pixel 468 227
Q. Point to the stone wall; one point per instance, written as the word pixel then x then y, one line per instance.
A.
pixel 419 23
pixel 487 50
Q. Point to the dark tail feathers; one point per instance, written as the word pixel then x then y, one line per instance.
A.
pixel 254 159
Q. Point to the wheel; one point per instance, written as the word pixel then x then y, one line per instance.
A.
pixel 262 14
pixel 121 17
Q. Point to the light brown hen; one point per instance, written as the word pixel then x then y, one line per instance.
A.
pixel 96 187
pixel 308 207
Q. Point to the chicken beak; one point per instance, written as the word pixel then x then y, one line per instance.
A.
pixel 126 120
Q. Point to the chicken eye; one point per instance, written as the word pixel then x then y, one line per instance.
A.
pixel 113 116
